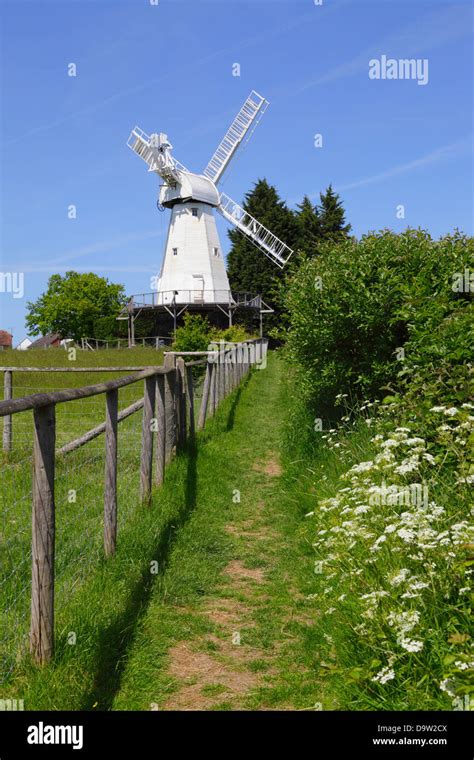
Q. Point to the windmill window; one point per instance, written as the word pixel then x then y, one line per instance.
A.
pixel 216 252
pixel 175 251
pixel 194 211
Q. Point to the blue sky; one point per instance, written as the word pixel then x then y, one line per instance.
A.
pixel 168 67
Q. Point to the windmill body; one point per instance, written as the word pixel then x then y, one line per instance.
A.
pixel 193 269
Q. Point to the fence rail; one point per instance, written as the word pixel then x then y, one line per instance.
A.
pixel 168 421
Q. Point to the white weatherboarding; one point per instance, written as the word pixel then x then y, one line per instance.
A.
pixel 193 268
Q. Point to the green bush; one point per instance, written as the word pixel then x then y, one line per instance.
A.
pixel 193 335
pixel 196 334
pixel 383 327
pixel 234 334
pixel 352 310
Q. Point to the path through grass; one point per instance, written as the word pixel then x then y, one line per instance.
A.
pixel 228 624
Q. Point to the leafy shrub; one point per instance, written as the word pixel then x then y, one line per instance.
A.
pixel 234 334
pixel 354 307
pixel 196 334
pixel 389 320
pixel 193 335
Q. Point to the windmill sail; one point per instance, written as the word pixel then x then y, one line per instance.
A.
pixel 260 236
pixel 245 121
pixel 159 161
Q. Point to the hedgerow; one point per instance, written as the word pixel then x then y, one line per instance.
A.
pixel 382 329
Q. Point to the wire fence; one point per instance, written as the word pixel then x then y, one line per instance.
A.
pixel 76 461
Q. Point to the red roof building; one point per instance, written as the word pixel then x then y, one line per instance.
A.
pixel 5 340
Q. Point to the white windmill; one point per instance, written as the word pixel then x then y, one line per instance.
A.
pixel 193 269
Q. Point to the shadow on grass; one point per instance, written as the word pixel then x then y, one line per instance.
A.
pixel 116 641
pixel 235 402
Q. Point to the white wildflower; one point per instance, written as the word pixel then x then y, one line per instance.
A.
pixel 411 645
pixel 362 509
pixel 362 467
pixel 390 443
pixel 396 580
pixel 403 621
pixel 448 686
pixel 384 675
pixel 406 535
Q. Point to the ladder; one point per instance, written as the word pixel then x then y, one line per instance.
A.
pixel 269 243
pixel 248 116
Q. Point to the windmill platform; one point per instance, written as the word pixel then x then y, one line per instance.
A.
pixel 167 309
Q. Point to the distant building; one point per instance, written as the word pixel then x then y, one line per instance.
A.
pixel 52 340
pixel 6 340
pixel 24 344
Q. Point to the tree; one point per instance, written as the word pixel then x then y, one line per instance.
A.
pixel 73 304
pixel 248 268
pixel 332 217
pixel 309 227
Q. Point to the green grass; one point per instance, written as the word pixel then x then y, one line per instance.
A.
pixel 235 553
pixel 126 619
pixel 79 476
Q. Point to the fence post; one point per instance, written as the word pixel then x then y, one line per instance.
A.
pixel 8 419
pixel 181 400
pixel 43 535
pixel 217 382
pixel 212 389
pixel 146 461
pixel 238 358
pixel 205 396
pixel 170 410
pixel 221 375
pixel 226 373
pixel 110 490
pixel 236 365
pixel 190 400
pixel 161 432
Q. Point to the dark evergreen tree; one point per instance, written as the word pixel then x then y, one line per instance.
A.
pixel 248 268
pixel 332 216
pixel 309 227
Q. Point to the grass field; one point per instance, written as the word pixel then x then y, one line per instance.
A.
pixel 79 481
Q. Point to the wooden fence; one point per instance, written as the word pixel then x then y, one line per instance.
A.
pixel 168 419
